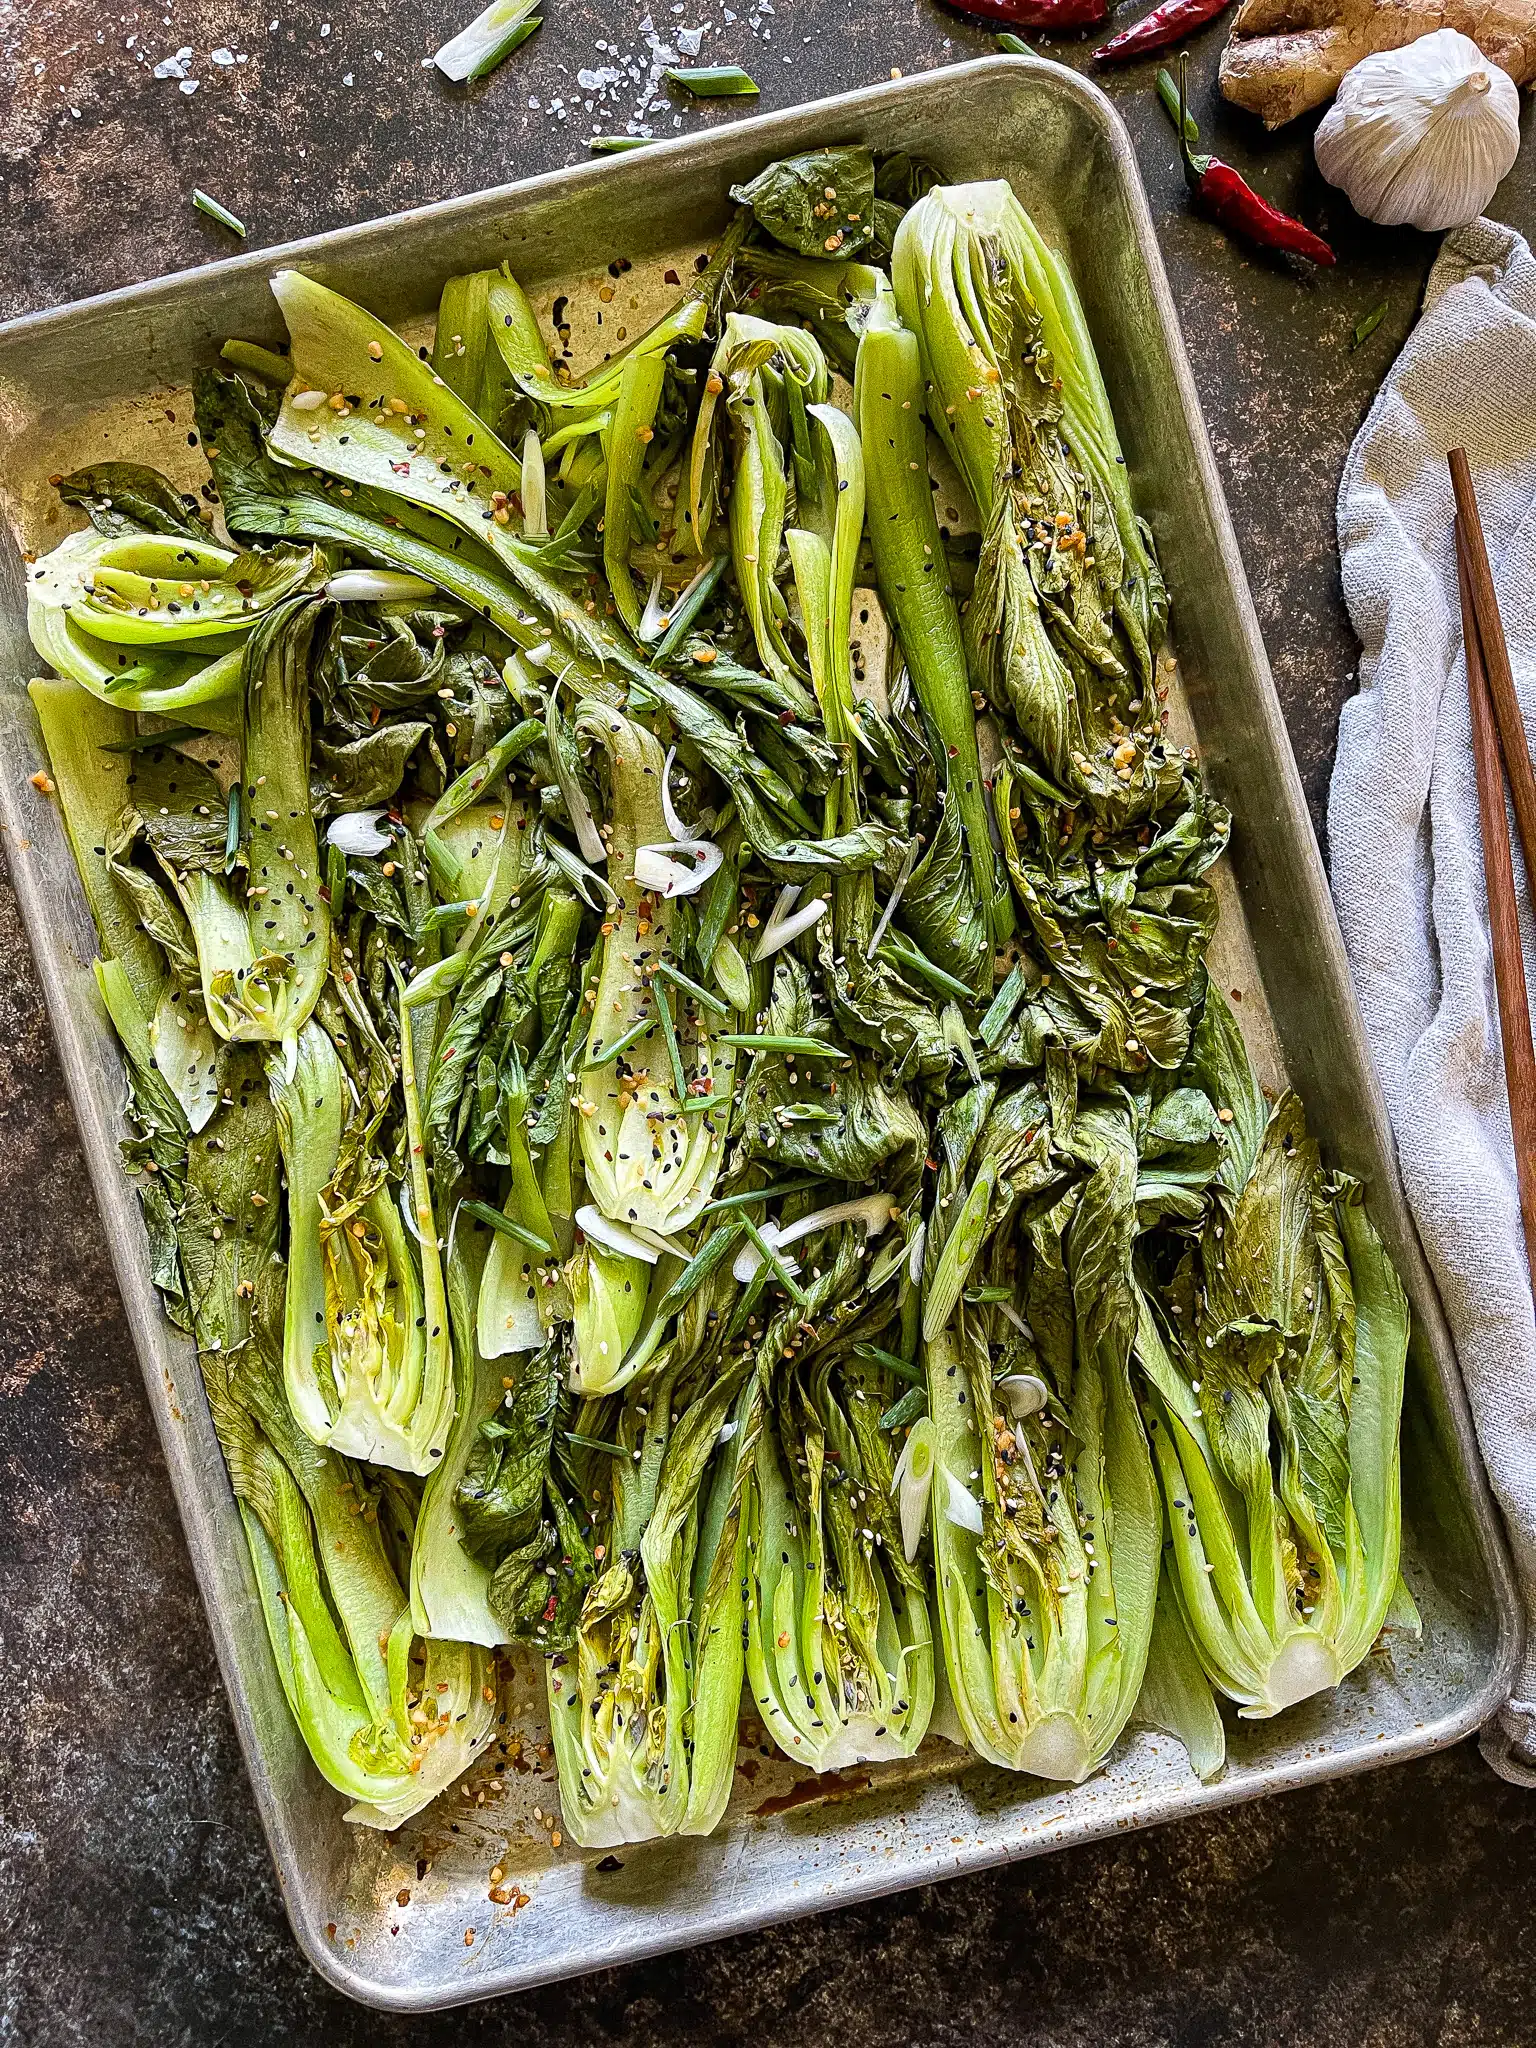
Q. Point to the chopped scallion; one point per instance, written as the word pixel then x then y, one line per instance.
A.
pixel 714 81
pixel 205 203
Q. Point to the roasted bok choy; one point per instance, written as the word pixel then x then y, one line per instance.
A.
pixel 671 1067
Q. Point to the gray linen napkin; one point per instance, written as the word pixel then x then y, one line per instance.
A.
pixel 1406 851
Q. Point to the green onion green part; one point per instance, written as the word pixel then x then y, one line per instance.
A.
pixel 205 203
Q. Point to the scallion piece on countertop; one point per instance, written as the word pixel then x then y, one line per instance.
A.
pixel 1168 93
pixel 1368 326
pixel 1010 44
pixel 715 81
pixel 490 38
pixel 205 203
pixel 614 145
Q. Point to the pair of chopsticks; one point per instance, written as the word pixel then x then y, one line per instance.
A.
pixel 1497 728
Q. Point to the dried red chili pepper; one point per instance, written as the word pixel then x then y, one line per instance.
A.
pixel 1231 201
pixel 1166 24
pixel 1042 14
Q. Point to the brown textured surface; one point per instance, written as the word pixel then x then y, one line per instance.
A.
pixel 136 1901
pixel 1287 56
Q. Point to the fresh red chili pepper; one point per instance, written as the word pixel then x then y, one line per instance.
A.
pixel 1043 14
pixel 1166 24
pixel 1231 201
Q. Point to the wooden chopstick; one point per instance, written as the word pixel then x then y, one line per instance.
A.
pixel 1503 908
pixel 1496 669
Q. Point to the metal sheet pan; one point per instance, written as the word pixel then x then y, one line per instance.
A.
pixel 404 1922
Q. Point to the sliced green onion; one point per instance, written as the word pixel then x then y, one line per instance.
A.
pixel 913 1485
pixel 674 1050
pixel 688 607
pixel 514 38
pixel 902 1367
pixel 913 957
pixel 265 363
pixel 476 51
pixel 612 145
pixel 714 81
pixel 700 995
pixel 467 785
pixel 773 1263
pixel 912 1405
pixel 959 1253
pixel 1000 1011
pixel 534 489
pixel 767 1194
pixel 782 1041
pixel 1368 326
pixel 428 984
pixel 232 835
pixel 1010 44
pixel 1168 93
pixel 441 915
pixel 601 1057
pixel 484 1213
pixel 206 204
pixel 595 1443
pixel 717 1246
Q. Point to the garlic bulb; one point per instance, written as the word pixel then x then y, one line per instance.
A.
pixel 1421 136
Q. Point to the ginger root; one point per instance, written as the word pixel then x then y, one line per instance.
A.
pixel 1288 55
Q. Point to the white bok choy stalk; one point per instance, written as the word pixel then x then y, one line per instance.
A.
pixel 246 941
pixel 644 1714
pixel 389 1719
pixel 508 1313
pixel 653 1143
pixel 608 1296
pixel 148 973
pixel 767 378
pixel 155 622
pixel 366 1359
pixel 1272 1388
pixel 1045 1518
pixel 840 1649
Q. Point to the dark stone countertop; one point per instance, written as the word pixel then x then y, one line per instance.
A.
pixel 136 1897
